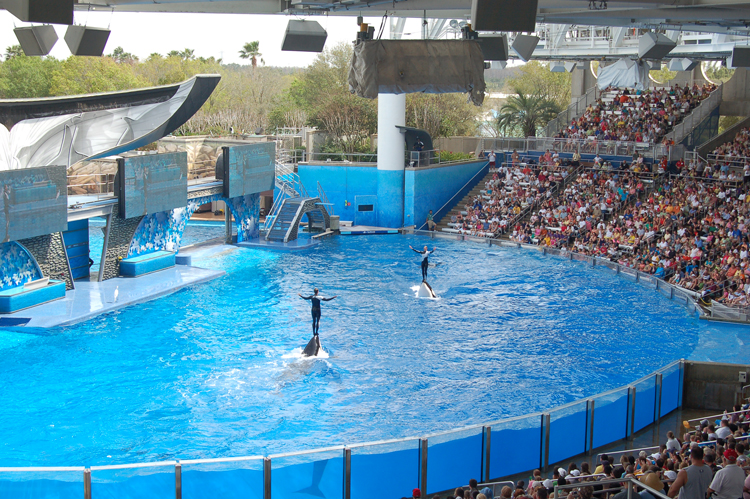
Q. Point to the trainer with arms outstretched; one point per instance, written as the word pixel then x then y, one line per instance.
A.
pixel 425 253
pixel 316 299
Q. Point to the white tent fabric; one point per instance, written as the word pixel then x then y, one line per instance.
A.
pixel 624 73
pixel 409 66
pixel 65 140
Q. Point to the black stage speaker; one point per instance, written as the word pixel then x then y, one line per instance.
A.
pixel 503 15
pixel 41 11
pixel 36 40
pixel 740 57
pixel 654 46
pixel 304 36
pixel 83 40
pixel 494 48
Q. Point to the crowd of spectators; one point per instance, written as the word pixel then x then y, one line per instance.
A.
pixel 634 115
pixel 690 231
pixel 709 461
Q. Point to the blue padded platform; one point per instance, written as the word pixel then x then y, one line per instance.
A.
pixel 145 264
pixel 15 299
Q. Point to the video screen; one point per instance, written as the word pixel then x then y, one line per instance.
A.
pixel 34 202
pixel 249 169
pixel 152 183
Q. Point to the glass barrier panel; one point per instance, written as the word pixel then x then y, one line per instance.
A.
pixel 567 433
pixel 233 479
pixel 518 434
pixel 453 458
pixel 313 475
pixel 385 470
pixel 154 482
pixel 645 400
pixel 42 484
pixel 670 388
pixel 610 417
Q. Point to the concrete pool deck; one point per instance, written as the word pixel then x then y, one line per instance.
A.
pixel 91 299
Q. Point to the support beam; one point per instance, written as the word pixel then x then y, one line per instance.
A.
pixel 391 160
pixel 40 11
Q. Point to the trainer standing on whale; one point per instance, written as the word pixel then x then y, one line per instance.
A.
pixel 316 299
pixel 425 263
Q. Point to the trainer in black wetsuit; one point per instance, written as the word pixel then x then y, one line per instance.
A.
pixel 426 253
pixel 316 299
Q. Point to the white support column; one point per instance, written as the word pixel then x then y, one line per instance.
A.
pixel 391 159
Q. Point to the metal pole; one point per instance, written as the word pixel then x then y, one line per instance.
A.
pixel 178 480
pixel 423 466
pixel 488 440
pixel 591 425
pixel 87 484
pixel 681 385
pixel 266 478
pixel 103 259
pixel 631 426
pixel 546 427
pixel 657 405
pixel 347 473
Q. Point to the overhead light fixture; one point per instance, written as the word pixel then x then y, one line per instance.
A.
pixel 86 41
pixel 36 40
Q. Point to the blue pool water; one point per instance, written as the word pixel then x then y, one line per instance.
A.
pixel 214 370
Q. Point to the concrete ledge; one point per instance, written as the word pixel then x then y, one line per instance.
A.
pixel 91 299
pixel 296 245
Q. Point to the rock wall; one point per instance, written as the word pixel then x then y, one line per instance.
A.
pixel 120 235
pixel 49 253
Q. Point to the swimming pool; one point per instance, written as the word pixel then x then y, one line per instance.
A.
pixel 215 370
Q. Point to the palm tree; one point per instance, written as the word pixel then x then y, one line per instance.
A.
pixel 187 54
pixel 527 113
pixel 251 50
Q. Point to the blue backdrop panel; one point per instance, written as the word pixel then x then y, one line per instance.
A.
pixel 610 417
pixel 387 470
pixel 227 480
pixel 341 184
pixel 645 399
pixel 430 188
pixel 567 435
pixel 366 210
pixel 308 476
pixel 53 485
pixel 77 246
pixel 33 202
pixel 152 183
pixel 524 434
pixel 134 483
pixel 670 389
pixel 391 198
pixel 453 459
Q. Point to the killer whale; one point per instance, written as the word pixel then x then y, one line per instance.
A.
pixel 312 348
pixel 425 291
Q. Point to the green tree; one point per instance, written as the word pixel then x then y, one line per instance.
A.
pixel 173 53
pixel 718 73
pixel 187 54
pixel 27 77
pixel 526 113
pixel 251 50
pixel 13 51
pixel 662 75
pixel 442 115
pixel 535 78
pixel 87 75
pixel 120 56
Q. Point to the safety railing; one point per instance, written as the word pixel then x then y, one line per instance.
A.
pixel 720 416
pixel 342 157
pixel 324 199
pixel 737 162
pixel 436 462
pixel 289 185
pixel 681 129
pixel 626 452
pixel 614 485
pixel 93 180
pixel 573 111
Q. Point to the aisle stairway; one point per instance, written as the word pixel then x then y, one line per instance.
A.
pixel 458 207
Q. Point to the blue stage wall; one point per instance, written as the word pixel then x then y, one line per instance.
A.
pixel 341 183
pixel 429 188
pixel 426 188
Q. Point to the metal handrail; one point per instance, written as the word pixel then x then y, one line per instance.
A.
pixel 715 415
pixel 635 483
pixel 456 194
pixel 289 185
pixel 627 451
pixel 324 199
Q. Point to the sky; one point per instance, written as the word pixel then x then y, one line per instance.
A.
pixel 217 35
